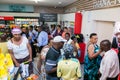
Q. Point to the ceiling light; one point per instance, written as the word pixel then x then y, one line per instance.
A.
pixel 59 2
pixel 36 1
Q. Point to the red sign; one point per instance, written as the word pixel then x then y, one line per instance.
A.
pixel 1 18
pixel 6 18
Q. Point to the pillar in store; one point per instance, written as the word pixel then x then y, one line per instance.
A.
pixel 78 23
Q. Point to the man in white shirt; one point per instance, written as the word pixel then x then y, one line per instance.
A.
pixel 109 67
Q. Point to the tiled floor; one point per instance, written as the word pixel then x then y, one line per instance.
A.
pixel 82 70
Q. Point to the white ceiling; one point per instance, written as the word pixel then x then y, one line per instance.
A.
pixel 52 3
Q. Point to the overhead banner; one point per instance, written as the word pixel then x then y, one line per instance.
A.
pixel 78 23
pixel 48 17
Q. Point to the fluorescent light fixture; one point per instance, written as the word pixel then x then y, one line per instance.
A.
pixel 59 2
pixel 36 1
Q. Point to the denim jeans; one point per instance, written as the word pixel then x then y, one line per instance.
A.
pixel 52 78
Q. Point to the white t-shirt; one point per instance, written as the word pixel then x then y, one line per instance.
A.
pixel 19 51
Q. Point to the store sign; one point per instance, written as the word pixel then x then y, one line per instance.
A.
pixel 17 8
pixel 105 3
pixel 1 18
pixel 6 18
pixel 48 17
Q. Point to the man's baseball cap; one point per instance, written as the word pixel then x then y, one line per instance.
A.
pixel 59 39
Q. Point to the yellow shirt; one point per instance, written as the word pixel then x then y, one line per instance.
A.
pixel 69 69
pixel 3 47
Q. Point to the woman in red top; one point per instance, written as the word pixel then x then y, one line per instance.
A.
pixel 82 46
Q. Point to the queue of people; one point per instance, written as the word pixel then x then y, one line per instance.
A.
pixel 62 53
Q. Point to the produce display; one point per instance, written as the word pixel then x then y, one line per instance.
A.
pixel 6 66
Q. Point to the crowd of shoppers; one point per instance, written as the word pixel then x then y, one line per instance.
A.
pixel 60 53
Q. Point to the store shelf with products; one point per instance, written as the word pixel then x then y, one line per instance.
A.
pixel 6 21
pixel 7 24
pixel 2 23
pixel 67 24
pixel 26 21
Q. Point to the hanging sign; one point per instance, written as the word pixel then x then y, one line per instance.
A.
pixel 48 17
pixel 105 3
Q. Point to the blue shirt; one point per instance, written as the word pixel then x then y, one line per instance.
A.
pixel 42 39
pixel 32 36
pixel 35 33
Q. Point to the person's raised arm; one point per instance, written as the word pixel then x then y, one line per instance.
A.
pixel 91 53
